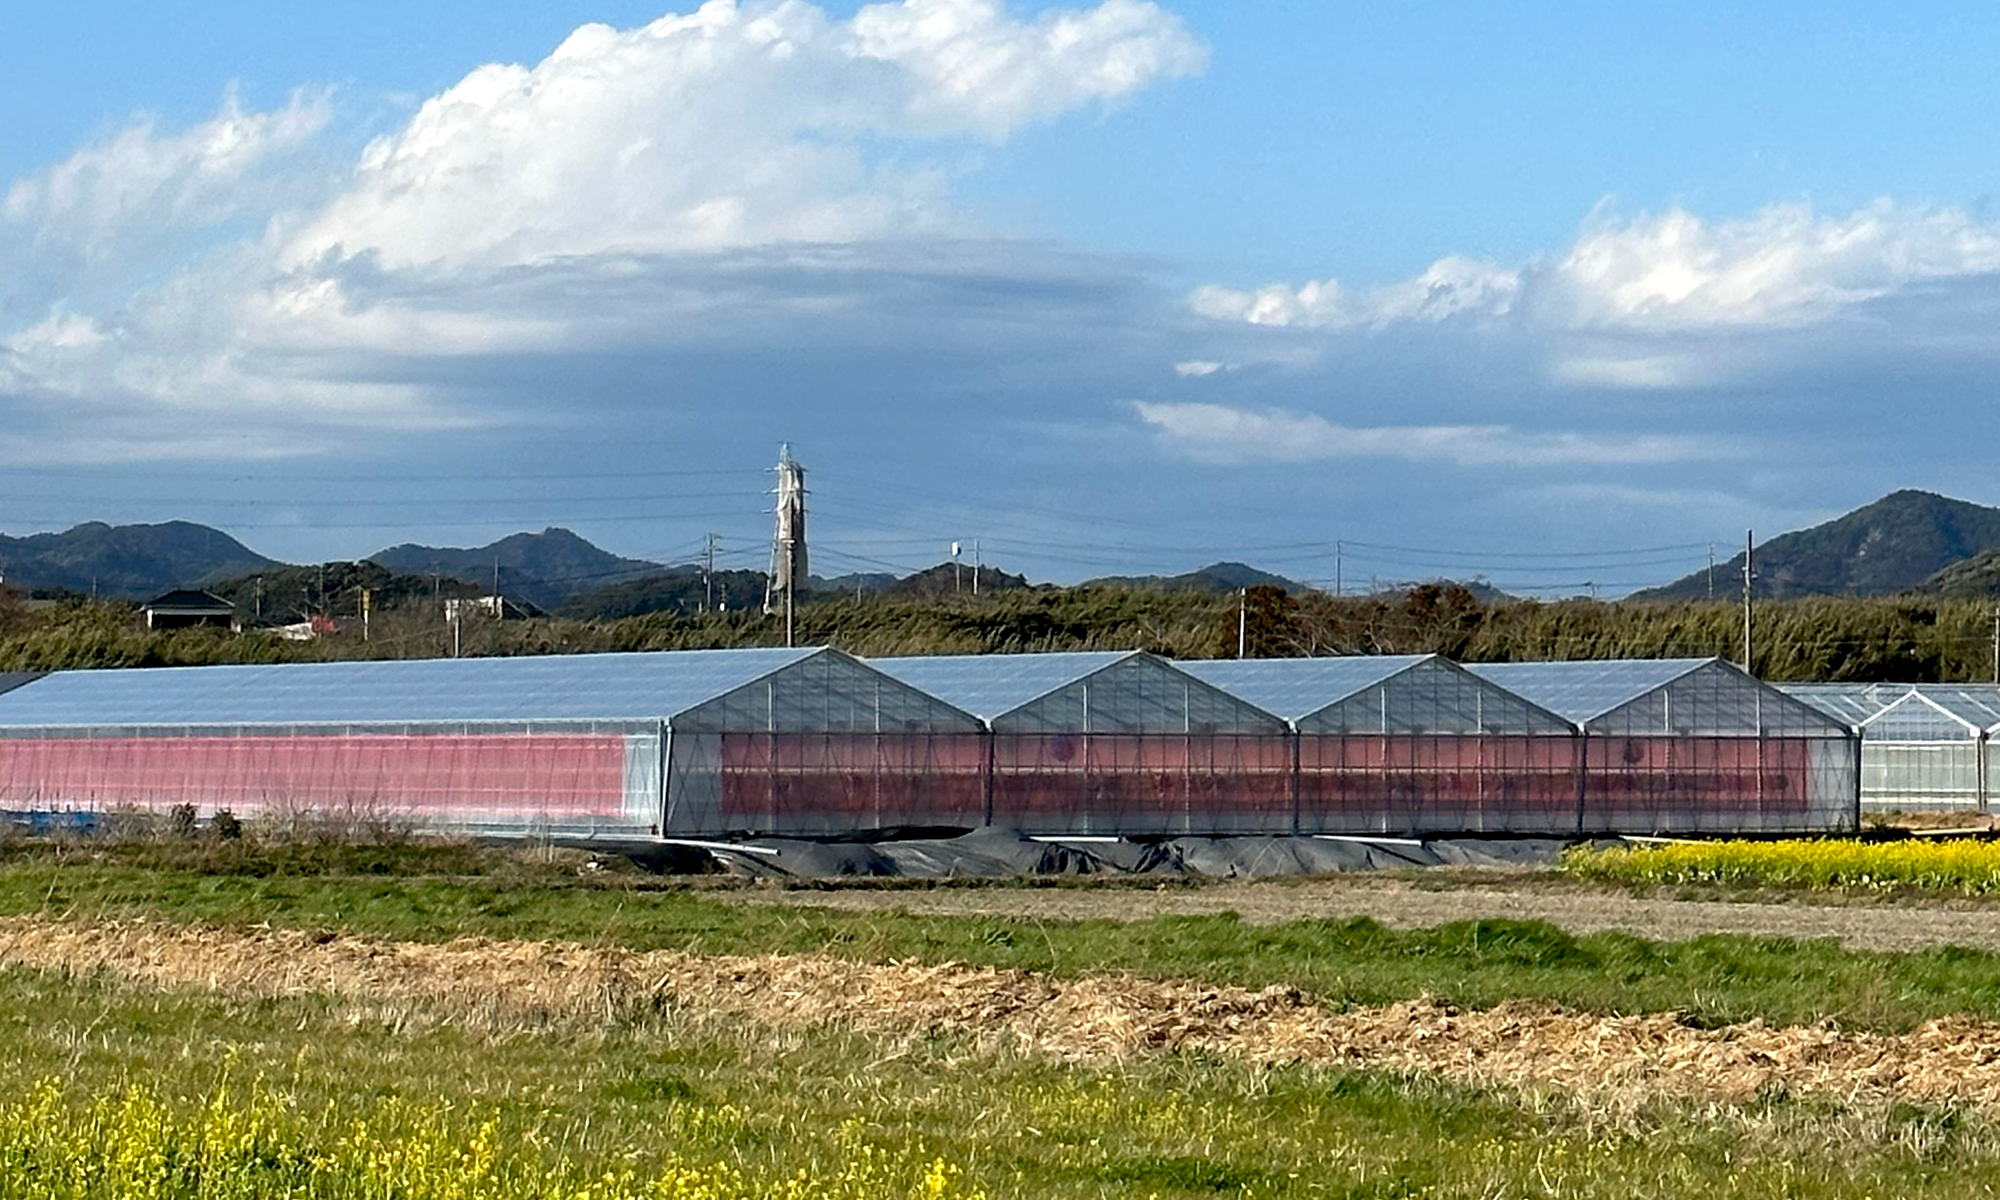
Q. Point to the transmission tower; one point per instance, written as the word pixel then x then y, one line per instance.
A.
pixel 788 543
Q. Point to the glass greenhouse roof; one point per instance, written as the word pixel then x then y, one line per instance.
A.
pixel 991 685
pixel 1380 694
pixel 1578 691
pixel 1917 717
pixel 1298 687
pixel 604 687
pixel 1851 703
pixel 1978 703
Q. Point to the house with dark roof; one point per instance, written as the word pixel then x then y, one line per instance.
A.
pixel 184 608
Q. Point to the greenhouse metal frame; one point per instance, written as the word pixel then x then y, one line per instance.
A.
pixel 1694 746
pixel 1412 744
pixel 1108 743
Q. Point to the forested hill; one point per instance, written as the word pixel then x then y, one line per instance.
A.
pixel 1896 544
pixel 131 562
pixel 544 568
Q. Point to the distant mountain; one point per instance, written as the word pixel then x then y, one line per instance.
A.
pixel 130 562
pixel 1975 578
pixel 866 583
pixel 1217 578
pixel 545 568
pixel 1897 543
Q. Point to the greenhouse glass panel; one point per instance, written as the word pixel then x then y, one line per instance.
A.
pixel 1848 703
pixel 583 778
pixel 1696 746
pixel 1925 750
pixel 824 746
pixel 1116 744
pixel 774 740
pixel 1412 744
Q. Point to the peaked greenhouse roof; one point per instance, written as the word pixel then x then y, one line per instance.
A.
pixel 1080 692
pixel 1916 717
pixel 1407 693
pixel 1853 703
pixel 1661 697
pixel 649 686
pixel 1860 704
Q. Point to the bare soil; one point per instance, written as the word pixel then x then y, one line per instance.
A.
pixel 1862 924
pixel 1097 1018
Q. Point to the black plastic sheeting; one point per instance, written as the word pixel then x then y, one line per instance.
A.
pixel 1001 854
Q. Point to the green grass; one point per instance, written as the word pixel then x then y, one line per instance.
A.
pixel 671 1088
pixel 1716 979
pixel 746 1109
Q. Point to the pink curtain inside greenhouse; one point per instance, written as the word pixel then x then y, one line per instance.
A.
pixel 1692 783
pixel 810 783
pixel 1361 783
pixel 446 778
pixel 1145 783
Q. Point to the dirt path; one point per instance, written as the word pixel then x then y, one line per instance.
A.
pixel 1401 904
pixel 1094 1018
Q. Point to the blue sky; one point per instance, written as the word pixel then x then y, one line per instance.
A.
pixel 1556 298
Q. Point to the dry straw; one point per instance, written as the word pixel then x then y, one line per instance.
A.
pixel 1102 1017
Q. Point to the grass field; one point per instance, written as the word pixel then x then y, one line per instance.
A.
pixel 209 1089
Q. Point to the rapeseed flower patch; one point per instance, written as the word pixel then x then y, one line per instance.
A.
pixel 1965 865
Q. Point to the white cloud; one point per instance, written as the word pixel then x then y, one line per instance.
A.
pixel 608 192
pixel 1451 287
pixel 1197 368
pixel 1783 266
pixel 1222 434
pixel 977 69
pixel 737 125
pixel 140 177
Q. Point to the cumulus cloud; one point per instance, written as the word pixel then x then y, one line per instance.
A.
pixel 1219 433
pixel 143 178
pixel 736 125
pixel 1783 266
pixel 628 188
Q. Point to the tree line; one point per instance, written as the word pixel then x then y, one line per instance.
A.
pixel 1902 639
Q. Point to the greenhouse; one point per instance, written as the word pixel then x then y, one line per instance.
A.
pixel 1694 746
pixel 1926 745
pixel 1412 744
pixel 687 742
pixel 1115 743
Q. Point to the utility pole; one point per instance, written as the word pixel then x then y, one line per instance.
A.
pixel 975 566
pixel 1996 645
pixel 1749 576
pixel 955 581
pixel 1711 570
pixel 708 576
pixel 1337 548
pixel 1243 623
pixel 367 610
